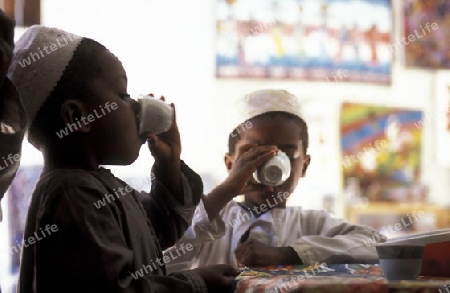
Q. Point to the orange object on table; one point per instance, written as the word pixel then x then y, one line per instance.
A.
pixel 436 260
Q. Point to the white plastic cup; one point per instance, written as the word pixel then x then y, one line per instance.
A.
pixel 275 171
pixel 155 116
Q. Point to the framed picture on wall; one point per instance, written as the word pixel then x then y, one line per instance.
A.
pixel 381 153
pixel 426 33
pixel 24 12
pixel 305 39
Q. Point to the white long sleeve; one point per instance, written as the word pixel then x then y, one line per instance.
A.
pixel 202 230
pixel 313 234
pixel 330 240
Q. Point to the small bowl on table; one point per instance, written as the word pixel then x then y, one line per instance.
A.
pixel 400 261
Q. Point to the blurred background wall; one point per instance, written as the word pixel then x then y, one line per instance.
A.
pixel 168 48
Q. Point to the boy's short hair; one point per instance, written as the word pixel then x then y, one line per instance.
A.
pixel 49 67
pixel 263 103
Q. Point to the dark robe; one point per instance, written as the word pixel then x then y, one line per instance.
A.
pixel 83 246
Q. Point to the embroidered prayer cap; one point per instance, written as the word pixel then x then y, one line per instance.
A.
pixel 40 57
pixel 264 101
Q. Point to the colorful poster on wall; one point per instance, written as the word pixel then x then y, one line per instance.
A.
pixel 427 33
pixel 322 40
pixel 19 194
pixel 381 153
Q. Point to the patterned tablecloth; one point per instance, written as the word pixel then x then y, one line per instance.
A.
pixel 342 278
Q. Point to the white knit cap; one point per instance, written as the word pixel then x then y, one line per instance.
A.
pixel 264 101
pixel 40 57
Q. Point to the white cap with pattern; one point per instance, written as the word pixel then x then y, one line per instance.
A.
pixel 264 101
pixel 40 57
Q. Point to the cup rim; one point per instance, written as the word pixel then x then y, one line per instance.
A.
pixel 400 251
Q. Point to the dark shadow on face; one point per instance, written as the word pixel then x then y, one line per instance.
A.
pixel 114 135
pixel 284 133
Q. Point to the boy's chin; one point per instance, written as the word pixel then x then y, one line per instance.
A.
pixel 260 197
pixel 123 159
pixel 275 198
pixel 131 159
pixel 265 203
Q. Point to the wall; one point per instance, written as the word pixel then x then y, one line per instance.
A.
pixel 166 48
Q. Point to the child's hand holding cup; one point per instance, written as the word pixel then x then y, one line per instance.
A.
pixel 158 125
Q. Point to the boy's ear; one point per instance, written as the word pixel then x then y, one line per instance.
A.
pixel 306 164
pixel 228 159
pixel 74 112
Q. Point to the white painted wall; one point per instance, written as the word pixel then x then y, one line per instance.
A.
pixel 167 47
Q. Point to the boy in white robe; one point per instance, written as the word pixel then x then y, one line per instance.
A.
pixel 262 230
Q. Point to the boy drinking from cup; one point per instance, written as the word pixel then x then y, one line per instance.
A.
pixel 99 245
pixel 262 230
